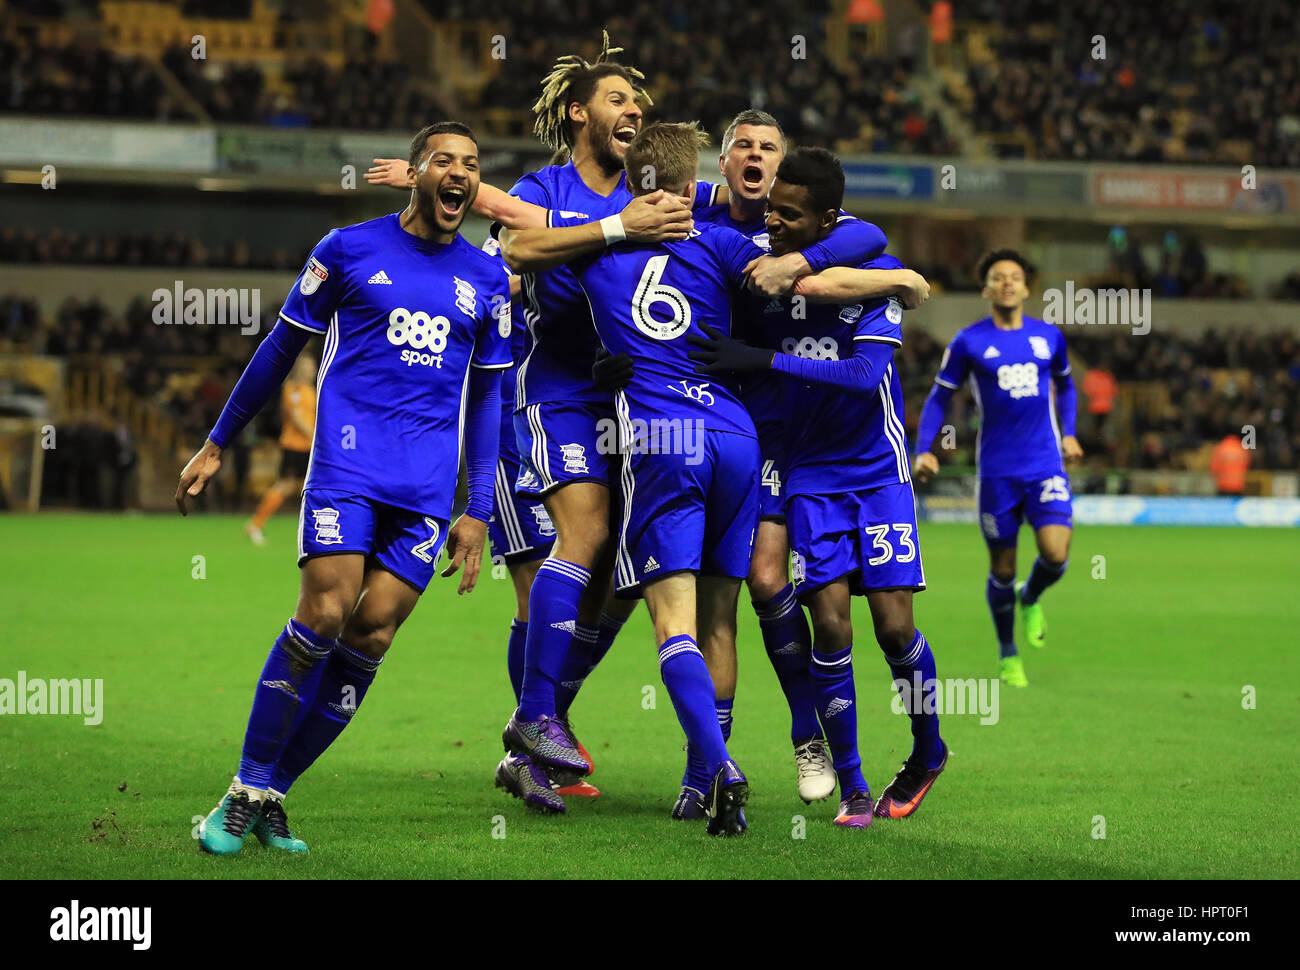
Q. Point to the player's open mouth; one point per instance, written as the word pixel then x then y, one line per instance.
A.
pixel 752 176
pixel 625 134
pixel 451 200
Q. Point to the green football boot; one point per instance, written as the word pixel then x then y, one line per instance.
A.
pixel 1013 672
pixel 224 830
pixel 272 826
pixel 1032 617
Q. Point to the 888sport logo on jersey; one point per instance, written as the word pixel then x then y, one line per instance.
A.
pixel 426 336
pixel 1021 380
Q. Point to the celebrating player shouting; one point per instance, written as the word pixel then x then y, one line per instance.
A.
pixel 1021 448
pixel 849 505
pixel 752 149
pixel 411 309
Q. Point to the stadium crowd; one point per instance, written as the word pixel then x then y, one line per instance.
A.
pixel 1210 81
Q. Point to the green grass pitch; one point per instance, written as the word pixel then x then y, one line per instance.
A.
pixel 1134 713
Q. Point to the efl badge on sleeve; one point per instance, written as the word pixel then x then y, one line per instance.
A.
pixel 313 276
pixel 894 312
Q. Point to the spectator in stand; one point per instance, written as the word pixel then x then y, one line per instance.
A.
pixel 1229 463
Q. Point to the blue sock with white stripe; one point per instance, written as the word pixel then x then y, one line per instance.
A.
pixel 552 619
pixel 789 643
pixel 1002 604
pixel 916 680
pixel 837 705
pixel 290 675
pixel 681 665
pixel 589 646
pixel 1041 576
pixel 697 774
pixel 515 655
pixel 347 676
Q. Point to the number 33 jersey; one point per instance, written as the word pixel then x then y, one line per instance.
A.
pixel 1009 373
pixel 645 299
pixel 404 319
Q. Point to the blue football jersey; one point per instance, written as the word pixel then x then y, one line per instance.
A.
pixel 562 344
pixel 842 441
pixel 403 319
pixel 1009 373
pixel 645 299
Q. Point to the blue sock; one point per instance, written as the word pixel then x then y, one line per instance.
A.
pixel 788 643
pixel 347 676
pixel 1002 604
pixel 722 707
pixel 589 646
pixel 1041 576
pixel 836 703
pixel 697 772
pixel 916 680
pixel 288 679
pixel 515 655
pixel 681 665
pixel 552 618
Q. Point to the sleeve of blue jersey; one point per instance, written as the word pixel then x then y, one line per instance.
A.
pixel 851 241
pixel 952 370
pixel 492 341
pixel 706 194
pixel 734 250
pixel 1060 357
pixel 875 326
pixel 530 188
pixel 313 300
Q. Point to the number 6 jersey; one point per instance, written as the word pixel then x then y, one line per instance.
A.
pixel 403 320
pixel 645 299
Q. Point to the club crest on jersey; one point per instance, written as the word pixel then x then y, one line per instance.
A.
pixel 894 312
pixel 312 277
pixel 851 313
pixel 465 297
pixel 328 532
pixel 544 524
pixel 575 458
pixel 1041 350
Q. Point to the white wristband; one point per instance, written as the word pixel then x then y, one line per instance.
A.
pixel 612 227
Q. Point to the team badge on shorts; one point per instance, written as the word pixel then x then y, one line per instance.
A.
pixel 798 571
pixel 544 524
pixel 575 459
pixel 328 532
pixel 312 277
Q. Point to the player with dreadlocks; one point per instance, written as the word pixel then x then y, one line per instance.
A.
pixel 564 426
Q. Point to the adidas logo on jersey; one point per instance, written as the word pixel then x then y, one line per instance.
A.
pixel 991 352
pixel 650 565
pixel 838 705
pixel 380 277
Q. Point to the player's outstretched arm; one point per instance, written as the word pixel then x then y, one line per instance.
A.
pixel 843 284
pixel 259 382
pixel 657 217
pixel 933 413
pixel 490 203
pixel 851 242
pixel 860 373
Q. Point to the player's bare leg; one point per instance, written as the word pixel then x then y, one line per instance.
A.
pixel 831 611
pixel 788 642
pixel 912 665
pixel 1053 555
pixel 329 587
pixel 675 606
pixel 580 513
pixel 1000 593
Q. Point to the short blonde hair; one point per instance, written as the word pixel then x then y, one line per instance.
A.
pixel 664 154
